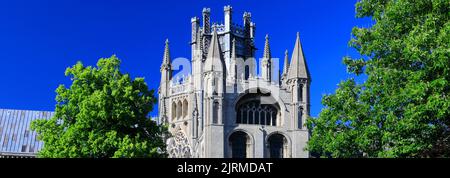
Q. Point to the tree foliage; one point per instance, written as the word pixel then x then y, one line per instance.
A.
pixel 403 107
pixel 103 114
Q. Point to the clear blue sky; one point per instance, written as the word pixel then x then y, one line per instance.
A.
pixel 40 39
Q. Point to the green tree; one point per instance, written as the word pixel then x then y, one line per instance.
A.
pixel 402 109
pixel 103 114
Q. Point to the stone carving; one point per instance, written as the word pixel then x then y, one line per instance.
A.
pixel 178 146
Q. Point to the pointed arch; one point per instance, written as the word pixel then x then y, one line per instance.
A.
pixel 246 72
pixel 259 108
pixel 279 105
pixel 185 108
pixel 173 111
pixel 179 110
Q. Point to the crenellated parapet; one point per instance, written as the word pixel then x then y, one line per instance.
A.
pixel 180 85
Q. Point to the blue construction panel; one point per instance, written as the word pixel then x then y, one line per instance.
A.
pixel 15 134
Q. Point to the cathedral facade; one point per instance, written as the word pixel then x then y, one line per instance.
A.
pixel 223 108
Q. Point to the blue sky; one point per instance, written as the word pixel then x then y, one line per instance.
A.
pixel 40 39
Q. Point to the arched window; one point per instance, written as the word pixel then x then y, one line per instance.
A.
pixel 247 72
pixel 251 110
pixel 251 113
pixel 214 85
pixel 300 118
pixel 273 117
pixel 185 108
pixel 215 112
pixel 268 118
pixel 174 111
pixel 300 92
pixel 240 145
pixel 263 116
pixel 179 110
pixel 278 146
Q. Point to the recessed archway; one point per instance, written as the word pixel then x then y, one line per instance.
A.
pixel 278 146
pixel 240 145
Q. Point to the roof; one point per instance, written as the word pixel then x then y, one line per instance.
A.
pixel 16 138
pixel 166 58
pixel 214 60
pixel 298 67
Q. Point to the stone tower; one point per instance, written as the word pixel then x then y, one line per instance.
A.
pixel 223 108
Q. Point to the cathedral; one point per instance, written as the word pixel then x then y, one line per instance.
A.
pixel 223 107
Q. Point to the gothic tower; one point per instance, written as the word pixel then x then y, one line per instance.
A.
pixel 223 108
pixel 166 76
pixel 298 80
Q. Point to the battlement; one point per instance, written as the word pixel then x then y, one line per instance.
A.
pixel 204 27
pixel 228 25
pixel 219 28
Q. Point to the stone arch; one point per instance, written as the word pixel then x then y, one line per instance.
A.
pixel 280 104
pixel 247 91
pixel 241 141
pixel 260 107
pixel 280 142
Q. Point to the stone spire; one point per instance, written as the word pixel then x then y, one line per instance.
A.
pixel 166 59
pixel 166 76
pixel 298 67
pixel 214 58
pixel 267 54
pixel 286 63
pixel 266 62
